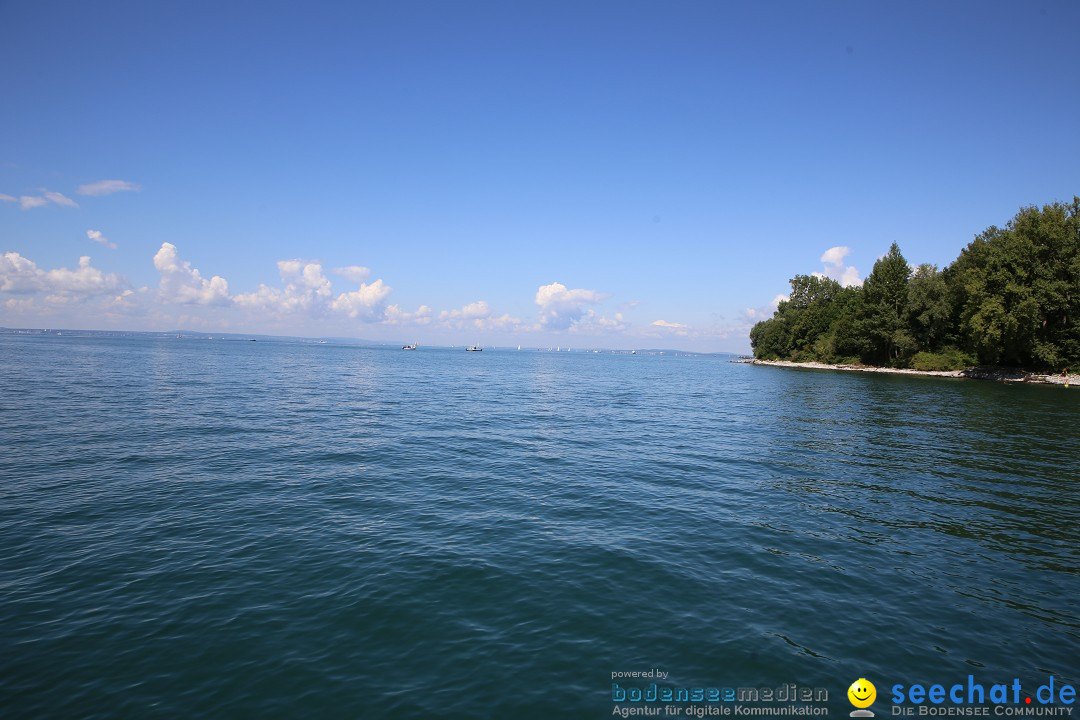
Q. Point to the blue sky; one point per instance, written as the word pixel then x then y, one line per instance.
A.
pixel 615 174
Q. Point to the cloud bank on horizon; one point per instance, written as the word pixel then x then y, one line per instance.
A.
pixel 304 298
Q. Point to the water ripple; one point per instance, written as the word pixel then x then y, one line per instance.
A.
pixel 238 529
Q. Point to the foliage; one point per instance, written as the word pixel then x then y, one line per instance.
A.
pixel 928 309
pixel 885 300
pixel 1011 298
pixel 948 359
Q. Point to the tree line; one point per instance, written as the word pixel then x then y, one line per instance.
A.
pixel 1012 298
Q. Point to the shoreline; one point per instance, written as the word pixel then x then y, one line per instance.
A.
pixel 976 373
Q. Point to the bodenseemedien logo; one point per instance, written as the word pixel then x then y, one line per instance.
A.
pixel 862 694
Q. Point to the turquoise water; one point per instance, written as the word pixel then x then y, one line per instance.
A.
pixel 237 530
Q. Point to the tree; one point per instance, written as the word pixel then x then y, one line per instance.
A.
pixel 771 339
pixel 799 321
pixel 1017 290
pixel 812 309
pixel 1053 235
pixel 885 299
pixel 929 312
pixel 1012 297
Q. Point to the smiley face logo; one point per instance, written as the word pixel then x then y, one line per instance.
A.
pixel 862 693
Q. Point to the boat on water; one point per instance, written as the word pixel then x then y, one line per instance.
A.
pixel 474 348
pixel 409 347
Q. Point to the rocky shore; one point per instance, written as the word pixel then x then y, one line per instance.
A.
pixel 977 373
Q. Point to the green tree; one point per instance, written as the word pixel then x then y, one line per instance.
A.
pixel 929 311
pixel 1053 234
pixel 885 300
pixel 1012 297
pixel 799 322
pixel 1017 290
pixel 998 314
pixel 812 309
pixel 771 339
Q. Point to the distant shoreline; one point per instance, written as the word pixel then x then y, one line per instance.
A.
pixel 996 374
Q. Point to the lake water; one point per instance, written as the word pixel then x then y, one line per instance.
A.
pixel 230 529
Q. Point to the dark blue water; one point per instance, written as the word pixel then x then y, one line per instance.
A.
pixel 237 530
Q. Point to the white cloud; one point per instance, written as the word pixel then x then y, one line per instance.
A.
pixel 98 237
pixel 835 255
pixel 561 307
pixel 304 281
pixel 846 275
pixel 762 313
pixel 184 284
pixel 394 315
pixel 21 275
pixel 356 273
pixel 28 202
pixel 593 322
pixel 84 280
pixel 453 317
pixel 668 329
pixel 60 199
pixel 305 295
pixel 308 290
pixel 475 310
pixel 615 323
pixel 19 304
pixel 850 277
pixel 501 322
pixel 305 288
pixel 366 302
pixel 8 198
pixel 106 187
pixel 477 315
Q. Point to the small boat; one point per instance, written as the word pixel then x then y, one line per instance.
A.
pixel 474 348
pixel 409 347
